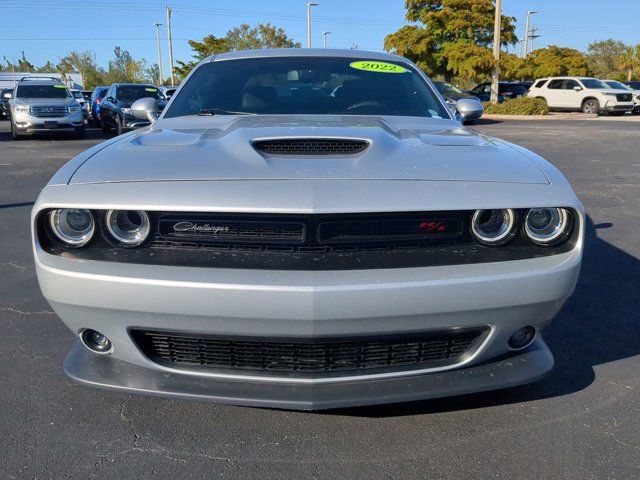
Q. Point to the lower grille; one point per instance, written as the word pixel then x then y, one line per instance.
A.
pixel 48 111
pixel 302 357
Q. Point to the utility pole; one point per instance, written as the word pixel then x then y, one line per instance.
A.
pixel 324 39
pixel 496 52
pixel 527 32
pixel 170 40
pixel 158 25
pixel 533 36
pixel 309 5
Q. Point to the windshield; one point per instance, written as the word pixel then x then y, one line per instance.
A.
pixel 306 85
pixel 446 88
pixel 593 83
pixel 131 93
pixel 42 91
pixel 617 85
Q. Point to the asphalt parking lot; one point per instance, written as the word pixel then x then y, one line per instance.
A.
pixel 581 422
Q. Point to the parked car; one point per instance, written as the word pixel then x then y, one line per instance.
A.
pixel 616 85
pixel 268 243
pixel 452 94
pixel 168 91
pixel 5 95
pixel 634 85
pixel 506 90
pixel 96 100
pixel 115 110
pixel 80 98
pixel 585 94
pixel 42 104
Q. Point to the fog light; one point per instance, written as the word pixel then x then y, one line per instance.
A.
pixel 95 341
pixel 522 338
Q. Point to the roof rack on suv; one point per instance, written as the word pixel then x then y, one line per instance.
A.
pixel 39 77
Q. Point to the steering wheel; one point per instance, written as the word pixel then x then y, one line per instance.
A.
pixel 366 103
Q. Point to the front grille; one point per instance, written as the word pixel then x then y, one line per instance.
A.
pixel 308 357
pixel 623 97
pixel 48 111
pixel 311 146
pixel 311 232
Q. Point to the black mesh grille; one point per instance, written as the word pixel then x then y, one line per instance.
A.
pixel 623 97
pixel 300 357
pixel 311 146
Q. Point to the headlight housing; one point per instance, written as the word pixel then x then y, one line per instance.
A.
pixel 74 108
pixel 129 228
pixel 73 227
pixel 547 226
pixel 126 111
pixel 494 227
pixel 21 109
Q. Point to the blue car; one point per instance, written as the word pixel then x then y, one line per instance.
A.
pixel 96 100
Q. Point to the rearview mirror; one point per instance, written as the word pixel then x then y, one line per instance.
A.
pixel 469 110
pixel 145 109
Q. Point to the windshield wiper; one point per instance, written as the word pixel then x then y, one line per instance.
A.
pixel 220 111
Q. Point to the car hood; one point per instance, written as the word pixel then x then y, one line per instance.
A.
pixel 221 148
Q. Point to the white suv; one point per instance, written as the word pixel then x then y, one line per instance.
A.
pixel 588 95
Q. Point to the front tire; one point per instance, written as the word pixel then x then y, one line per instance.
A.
pixel 119 129
pixel 14 133
pixel 591 106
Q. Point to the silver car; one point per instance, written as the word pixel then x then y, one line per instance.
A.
pixel 307 229
pixel 42 105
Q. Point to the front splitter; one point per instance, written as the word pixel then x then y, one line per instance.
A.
pixel 107 372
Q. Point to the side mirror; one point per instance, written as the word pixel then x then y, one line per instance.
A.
pixel 577 88
pixel 145 109
pixel 469 110
pixel 7 95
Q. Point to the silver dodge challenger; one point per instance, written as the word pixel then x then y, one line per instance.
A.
pixel 307 229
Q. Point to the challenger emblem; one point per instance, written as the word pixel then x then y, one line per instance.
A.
pixel 194 227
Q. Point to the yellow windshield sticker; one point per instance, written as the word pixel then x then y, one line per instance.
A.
pixel 381 67
pixel 151 89
pixel 60 86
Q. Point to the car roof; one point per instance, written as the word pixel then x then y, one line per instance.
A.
pixel 40 82
pixel 133 83
pixel 305 52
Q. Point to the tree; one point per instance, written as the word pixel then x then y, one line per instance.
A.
pixel 124 68
pixel 555 61
pixel 85 64
pixel 454 39
pixel 243 37
pixel 604 58
pixel 628 62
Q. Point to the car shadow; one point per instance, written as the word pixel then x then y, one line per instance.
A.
pixel 599 324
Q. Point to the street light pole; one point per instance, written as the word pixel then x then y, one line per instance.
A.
pixel 173 82
pixel 158 25
pixel 309 5
pixel 496 52
pixel 324 39
pixel 527 33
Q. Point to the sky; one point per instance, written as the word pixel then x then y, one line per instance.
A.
pixel 48 29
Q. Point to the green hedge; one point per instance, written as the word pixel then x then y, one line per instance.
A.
pixel 518 106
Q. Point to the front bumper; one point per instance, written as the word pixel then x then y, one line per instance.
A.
pixel 25 123
pixel 615 106
pixel 112 298
pixel 130 122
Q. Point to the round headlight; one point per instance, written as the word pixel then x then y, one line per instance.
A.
pixel 547 226
pixel 130 228
pixel 493 227
pixel 74 227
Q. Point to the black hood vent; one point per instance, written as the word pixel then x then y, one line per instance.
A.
pixel 311 146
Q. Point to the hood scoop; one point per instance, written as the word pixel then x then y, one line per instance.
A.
pixel 310 146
